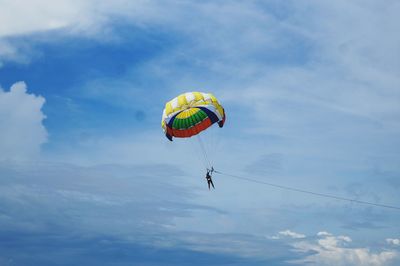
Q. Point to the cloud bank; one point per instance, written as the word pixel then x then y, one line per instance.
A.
pixel 328 249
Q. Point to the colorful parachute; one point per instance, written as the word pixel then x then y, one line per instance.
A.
pixel 190 113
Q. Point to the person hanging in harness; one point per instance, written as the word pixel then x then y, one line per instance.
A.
pixel 208 177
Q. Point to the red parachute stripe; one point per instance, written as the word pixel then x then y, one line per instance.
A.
pixel 185 133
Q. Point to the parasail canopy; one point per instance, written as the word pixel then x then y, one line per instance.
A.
pixel 190 113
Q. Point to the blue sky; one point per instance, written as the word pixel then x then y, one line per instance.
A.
pixel 311 92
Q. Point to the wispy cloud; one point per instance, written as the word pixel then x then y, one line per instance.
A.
pixel 288 233
pixel 291 234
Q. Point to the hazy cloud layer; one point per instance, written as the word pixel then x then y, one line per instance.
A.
pixel 110 214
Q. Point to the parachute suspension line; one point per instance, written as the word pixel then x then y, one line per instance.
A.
pixel 309 192
pixel 198 152
pixel 204 151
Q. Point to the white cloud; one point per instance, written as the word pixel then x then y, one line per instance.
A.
pixel 393 241
pixel 333 250
pixel 287 233
pixel 291 234
pixel 324 233
pixel 21 128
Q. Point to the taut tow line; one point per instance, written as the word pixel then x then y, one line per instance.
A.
pixel 307 191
